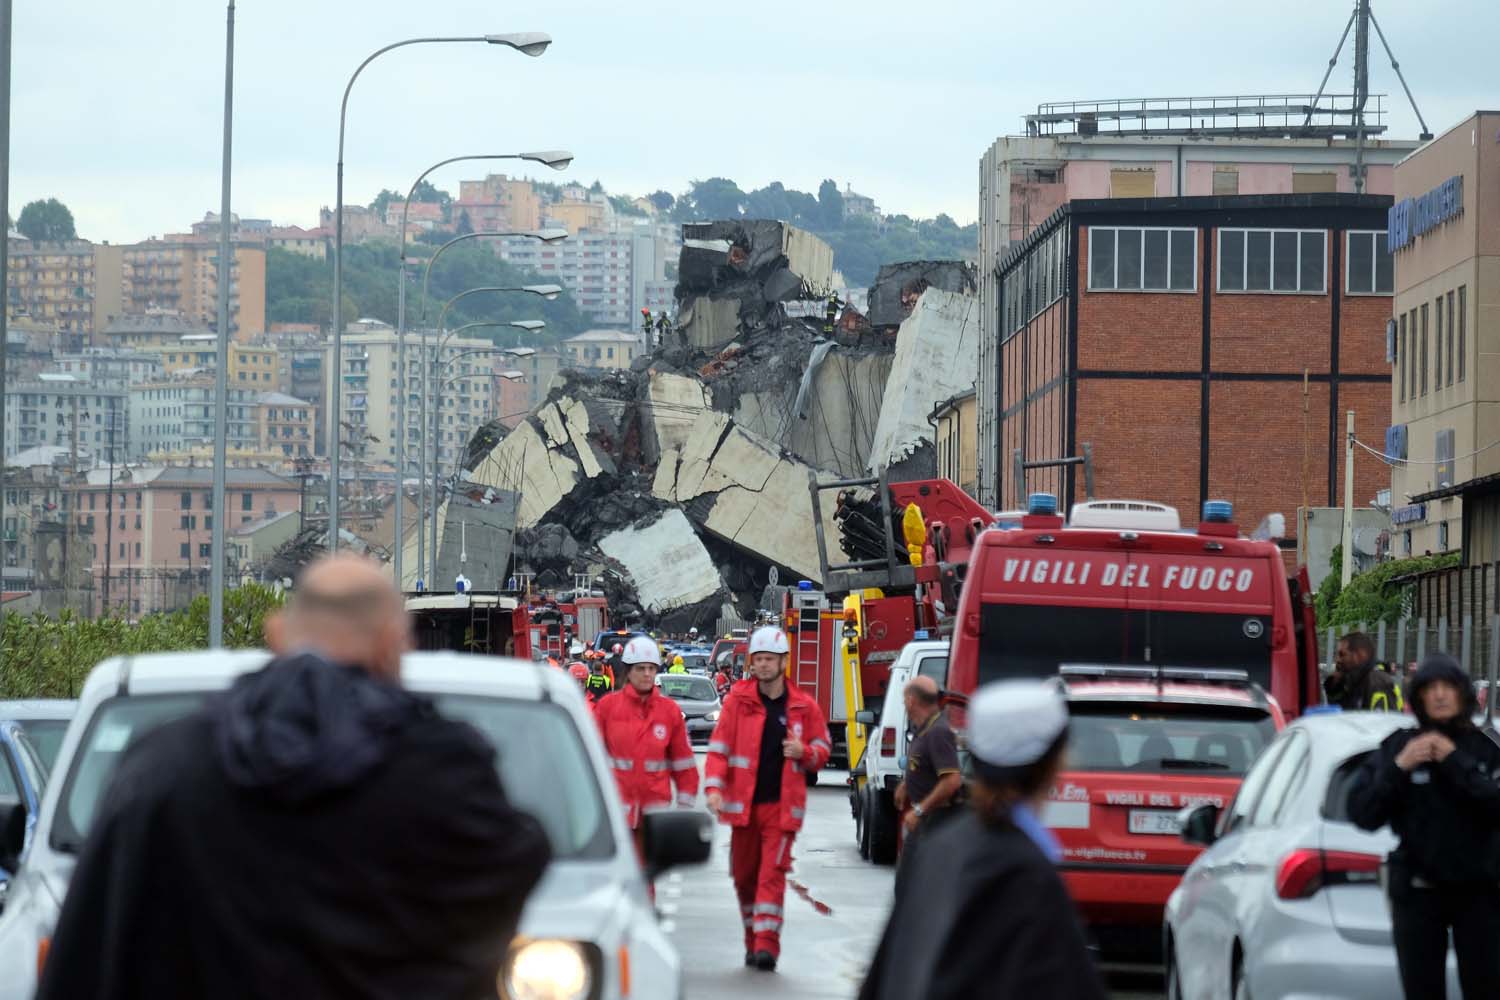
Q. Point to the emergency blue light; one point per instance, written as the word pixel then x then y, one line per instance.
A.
pixel 804 585
pixel 1323 710
pixel 1044 504
pixel 919 634
pixel 1218 511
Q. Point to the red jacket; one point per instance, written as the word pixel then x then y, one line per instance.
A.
pixel 646 739
pixel 734 752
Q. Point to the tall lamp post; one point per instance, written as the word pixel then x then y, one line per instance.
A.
pixel 547 292
pixel 557 160
pixel 531 43
pixel 529 325
pixel 221 373
pixel 542 235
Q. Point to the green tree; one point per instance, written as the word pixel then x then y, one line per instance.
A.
pixel 662 200
pixel 832 204
pixel 47 220
pixel 715 198
pixel 1380 594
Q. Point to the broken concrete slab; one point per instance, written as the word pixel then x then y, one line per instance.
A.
pixel 752 247
pixel 937 353
pixel 666 563
pixel 476 538
pixel 674 404
pixel 524 463
pixel 842 409
pixel 709 324
pixel 898 286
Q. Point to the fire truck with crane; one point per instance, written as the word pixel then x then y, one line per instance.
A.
pixel 518 621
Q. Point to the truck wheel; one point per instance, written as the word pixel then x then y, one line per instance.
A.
pixel 882 822
pixel 862 824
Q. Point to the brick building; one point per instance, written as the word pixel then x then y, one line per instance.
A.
pixel 1168 338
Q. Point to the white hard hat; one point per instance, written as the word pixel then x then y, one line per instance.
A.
pixel 1014 723
pixel 641 649
pixel 769 640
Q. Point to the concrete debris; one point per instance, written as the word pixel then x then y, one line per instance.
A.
pixel 477 534
pixel 937 353
pixel 666 563
pixel 898 286
pixel 682 482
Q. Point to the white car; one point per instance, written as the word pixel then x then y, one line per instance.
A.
pixel 1286 903
pixel 589 929
pixel 873 783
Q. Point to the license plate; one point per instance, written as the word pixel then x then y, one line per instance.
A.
pixel 1154 821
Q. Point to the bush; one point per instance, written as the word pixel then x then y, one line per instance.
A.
pixel 1371 596
pixel 45 657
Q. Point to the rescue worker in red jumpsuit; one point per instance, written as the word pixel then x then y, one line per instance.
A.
pixel 770 737
pixel 646 738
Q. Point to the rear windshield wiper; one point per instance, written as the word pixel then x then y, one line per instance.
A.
pixel 1191 764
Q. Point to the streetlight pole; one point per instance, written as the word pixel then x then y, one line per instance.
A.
pixel 529 43
pixel 530 325
pixel 221 374
pixel 557 160
pixel 548 292
pixel 5 19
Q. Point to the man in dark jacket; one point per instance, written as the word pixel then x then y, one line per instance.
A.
pixel 1438 787
pixel 983 912
pixel 1357 684
pixel 316 832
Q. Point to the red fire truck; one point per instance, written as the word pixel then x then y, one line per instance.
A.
pixel 1123 584
pixel 531 627
pixel 1182 653
pixel 907 545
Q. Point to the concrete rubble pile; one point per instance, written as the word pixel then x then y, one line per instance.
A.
pixel 682 482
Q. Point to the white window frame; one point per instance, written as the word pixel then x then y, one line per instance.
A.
pixel 1245 262
pixel 1375 235
pixel 1143 229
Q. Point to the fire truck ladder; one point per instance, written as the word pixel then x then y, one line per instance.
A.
pixel 851 577
pixel 479 628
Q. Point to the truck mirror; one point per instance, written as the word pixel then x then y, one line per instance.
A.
pixel 1199 824
pixel 865 717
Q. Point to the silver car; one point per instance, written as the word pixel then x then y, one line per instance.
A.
pixel 589 928
pixel 1286 900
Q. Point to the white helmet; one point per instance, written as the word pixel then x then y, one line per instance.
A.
pixel 769 640
pixel 641 649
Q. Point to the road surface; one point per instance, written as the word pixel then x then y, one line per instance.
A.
pixel 836 905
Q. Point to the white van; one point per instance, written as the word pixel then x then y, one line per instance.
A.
pixel 873 781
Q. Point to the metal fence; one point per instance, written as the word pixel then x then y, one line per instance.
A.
pixel 1475 641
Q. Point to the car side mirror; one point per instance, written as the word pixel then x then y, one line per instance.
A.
pixel 865 717
pixel 674 837
pixel 1199 824
pixel 12 834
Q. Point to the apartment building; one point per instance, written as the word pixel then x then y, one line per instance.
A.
pixel 602 349
pixel 181 273
pixel 252 366
pixel 611 275
pixel 499 204
pixel 108 367
pixel 74 286
pixel 369 393
pixel 286 425
pixel 173 419
pixel 66 412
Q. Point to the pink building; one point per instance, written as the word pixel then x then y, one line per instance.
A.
pixel 152 532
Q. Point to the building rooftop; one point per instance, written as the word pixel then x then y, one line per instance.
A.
pixel 254 526
pixel 281 399
pixel 190 475
pixel 603 337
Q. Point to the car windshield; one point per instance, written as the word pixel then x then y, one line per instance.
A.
pixel 687 688
pixel 544 769
pixel 543 766
pixel 695 661
pixel 46 736
pixel 1024 640
pixel 1164 739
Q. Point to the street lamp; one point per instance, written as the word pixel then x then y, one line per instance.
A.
pixel 557 160
pixel 530 43
pixel 437 406
pixel 546 292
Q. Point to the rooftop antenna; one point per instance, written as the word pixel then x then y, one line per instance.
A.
pixel 1361 20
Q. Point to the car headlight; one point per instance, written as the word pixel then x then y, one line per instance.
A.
pixel 712 716
pixel 548 970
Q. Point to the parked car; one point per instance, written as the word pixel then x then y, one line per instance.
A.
pixel 1286 899
pixel 1144 742
pixel 695 695
pixel 591 909
pixel 873 780
pixel 44 719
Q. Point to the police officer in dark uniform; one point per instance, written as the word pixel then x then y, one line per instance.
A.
pixel 597 684
pixel 1438 787
pixel 932 784
pixel 983 912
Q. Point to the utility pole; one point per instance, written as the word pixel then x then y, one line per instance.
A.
pixel 1348 540
pixel 109 514
pixel 5 19
pixel 221 372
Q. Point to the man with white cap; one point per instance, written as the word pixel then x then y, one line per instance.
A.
pixel 984 912
pixel 769 739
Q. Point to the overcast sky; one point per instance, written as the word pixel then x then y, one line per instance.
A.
pixel 117 107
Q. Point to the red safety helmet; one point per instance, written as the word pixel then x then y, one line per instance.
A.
pixel 579 671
